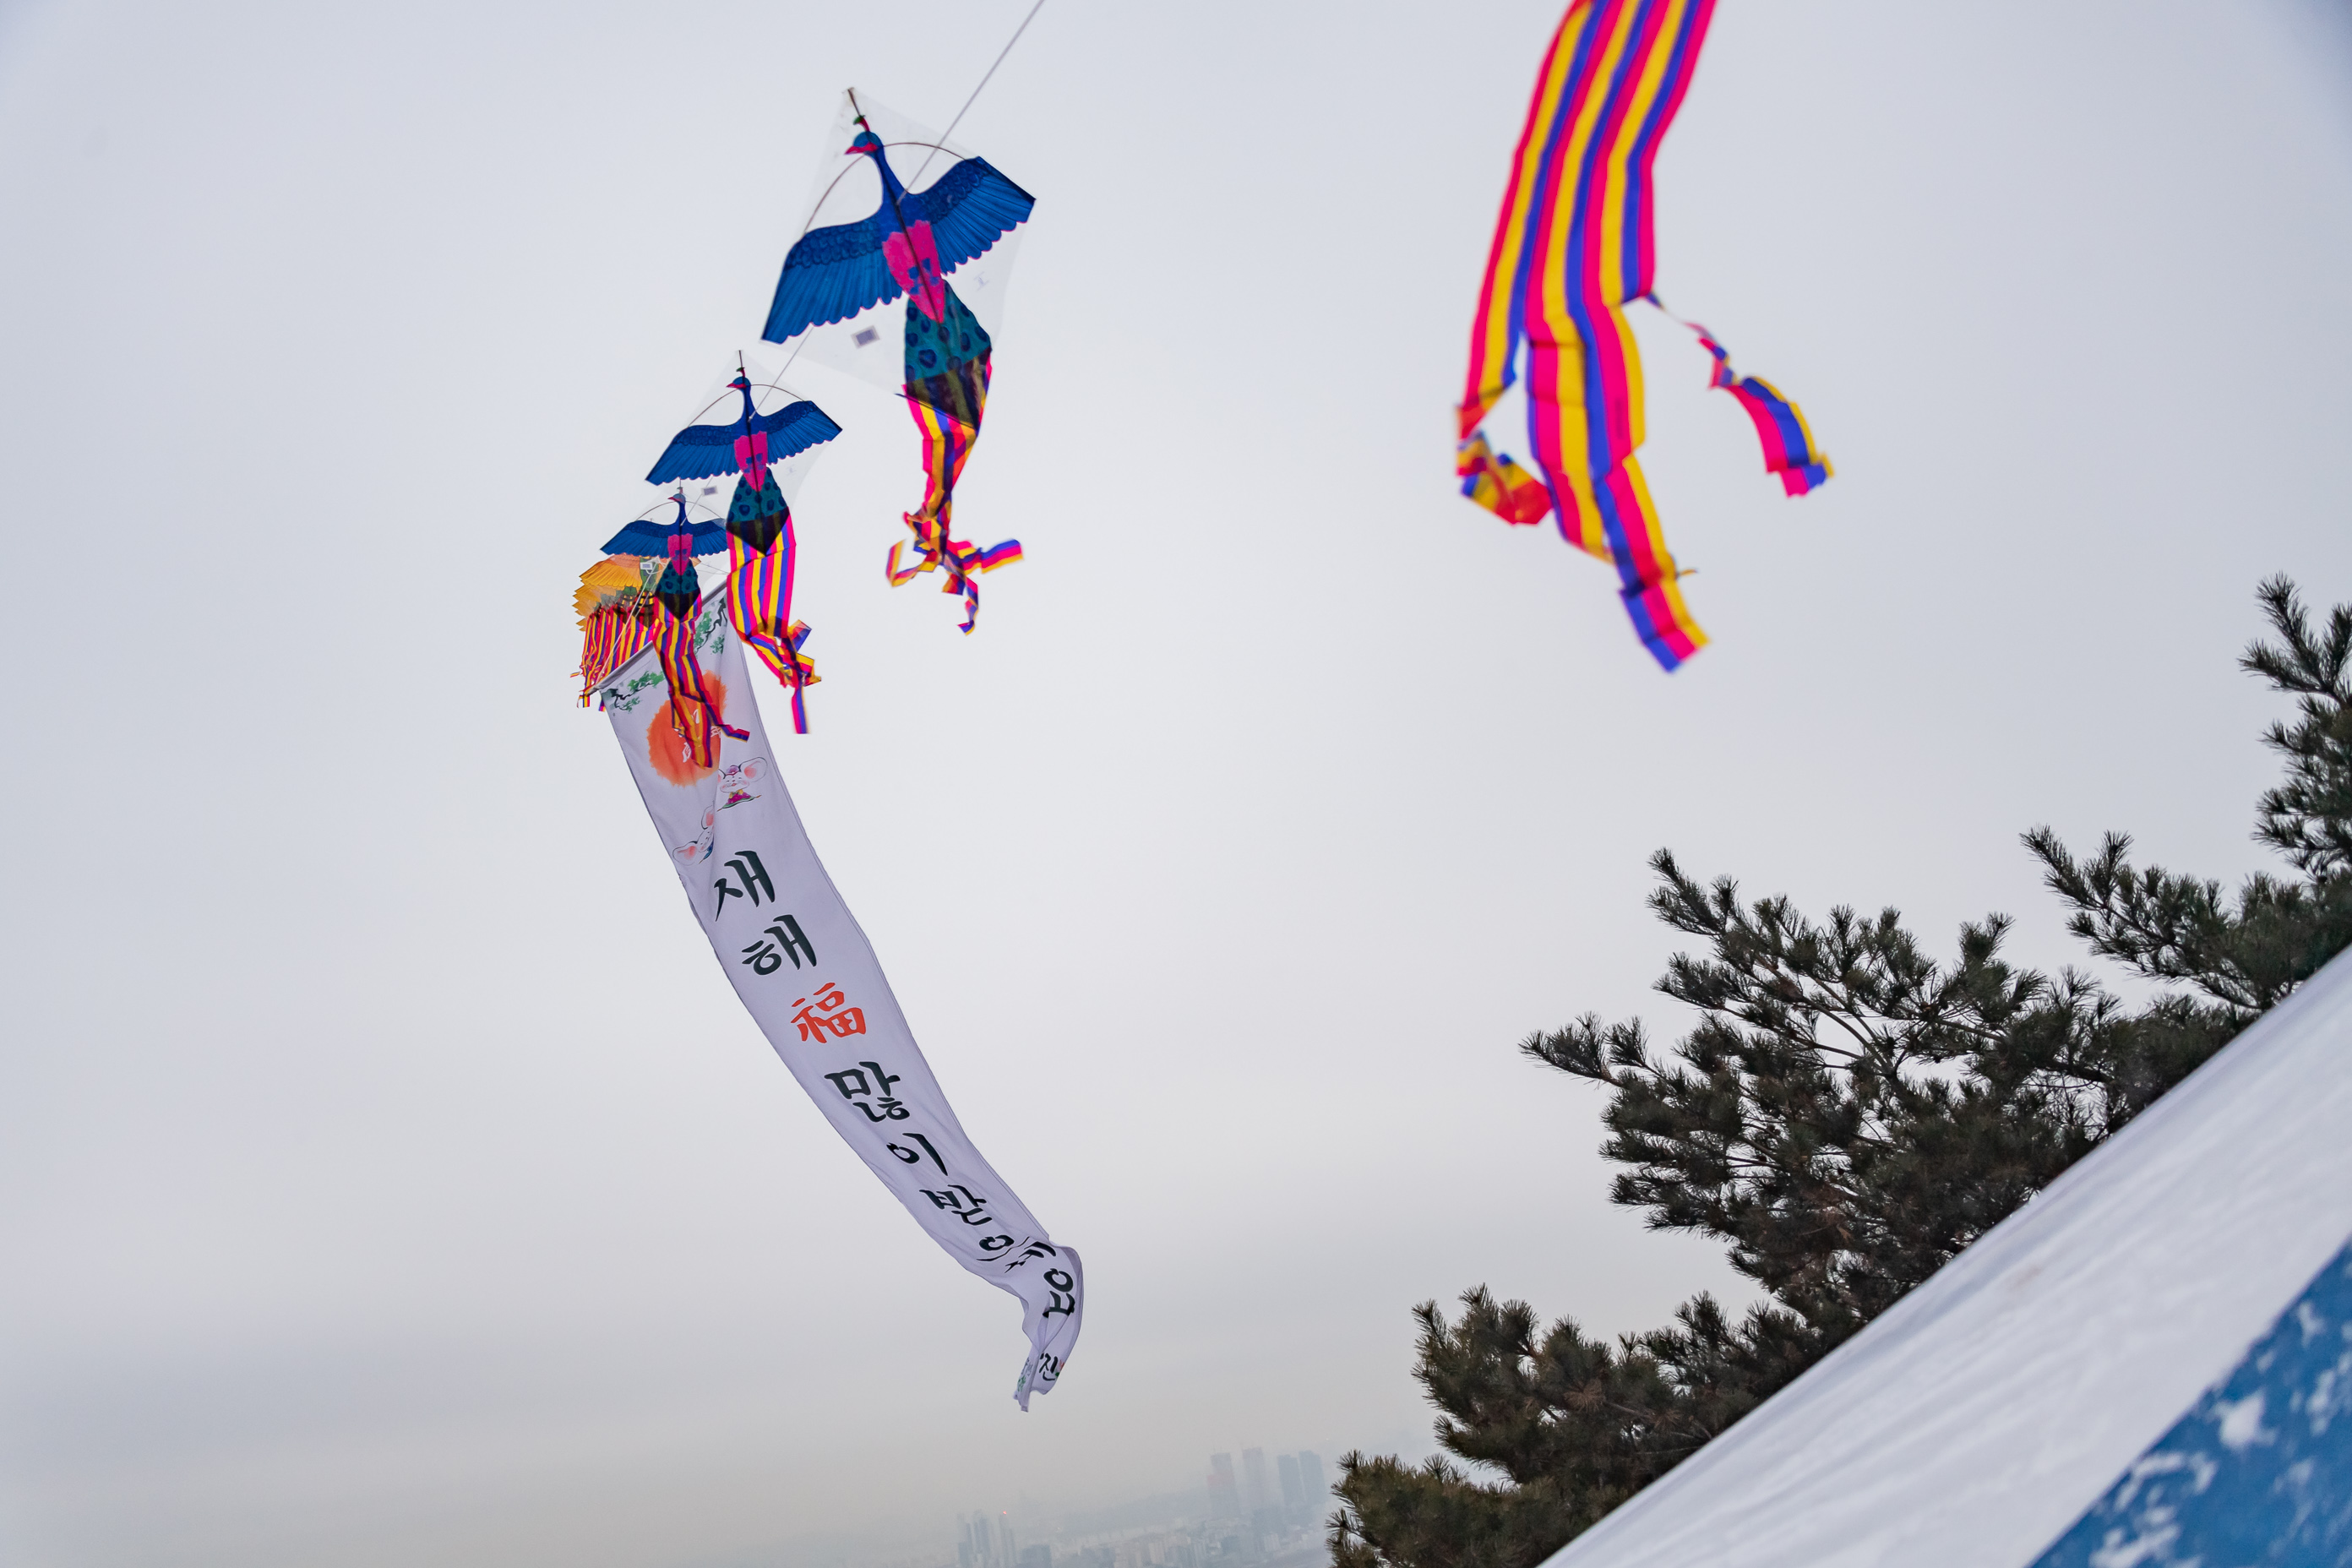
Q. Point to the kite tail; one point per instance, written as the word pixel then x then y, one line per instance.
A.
pixel 1584 420
pixel 948 367
pixel 691 712
pixel 1648 581
pixel 795 669
pixel 762 553
pixel 1572 245
pixel 615 618
pixel 1498 484
pixel 603 635
pixel 1789 454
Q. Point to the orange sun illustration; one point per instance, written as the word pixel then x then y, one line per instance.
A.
pixel 667 749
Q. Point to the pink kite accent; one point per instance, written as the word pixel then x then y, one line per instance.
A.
pixel 752 458
pixel 914 258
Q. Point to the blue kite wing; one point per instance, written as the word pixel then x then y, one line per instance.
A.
pixel 644 537
pixel 970 207
pixel 697 452
pixel 794 429
pixel 706 451
pixel 830 276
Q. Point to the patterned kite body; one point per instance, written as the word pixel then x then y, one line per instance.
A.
pixel 902 255
pixel 1574 247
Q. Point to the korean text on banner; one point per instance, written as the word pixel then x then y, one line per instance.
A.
pixel 810 978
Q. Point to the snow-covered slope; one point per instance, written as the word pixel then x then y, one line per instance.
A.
pixel 1994 1409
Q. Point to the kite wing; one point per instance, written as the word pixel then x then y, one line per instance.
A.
pixel 830 275
pixel 970 208
pixel 794 429
pixel 834 273
pixel 697 452
pixel 705 451
pixel 644 537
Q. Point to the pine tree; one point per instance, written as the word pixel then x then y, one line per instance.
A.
pixel 1848 1114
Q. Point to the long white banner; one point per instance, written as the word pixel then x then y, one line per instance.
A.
pixel 810 978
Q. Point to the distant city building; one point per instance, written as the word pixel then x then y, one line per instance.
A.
pixel 985 1540
pixel 1311 1480
pixel 1224 1497
pixel 1256 1491
pixel 1293 1497
pixel 1038 1556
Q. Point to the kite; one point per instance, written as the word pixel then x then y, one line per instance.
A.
pixel 1574 247
pixel 700 758
pixel 809 977
pixel 762 547
pixel 848 287
pixel 647 591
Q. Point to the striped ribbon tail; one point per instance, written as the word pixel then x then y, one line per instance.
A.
pixel 947 444
pixel 615 605
pixel 1789 454
pixel 1593 252
pixel 1647 578
pixel 802 670
pixel 1498 484
pixel 949 362
pixel 691 712
pixel 762 555
pixel 1574 245
pixel 1498 328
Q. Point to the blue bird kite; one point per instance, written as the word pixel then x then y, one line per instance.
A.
pixel 902 248
pixel 677 542
pixel 744 446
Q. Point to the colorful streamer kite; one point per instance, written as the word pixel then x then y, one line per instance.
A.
pixel 850 288
pixel 1573 248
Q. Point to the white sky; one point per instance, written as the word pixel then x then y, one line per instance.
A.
pixel 387 1174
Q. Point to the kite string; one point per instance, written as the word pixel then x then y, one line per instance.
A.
pixel 950 133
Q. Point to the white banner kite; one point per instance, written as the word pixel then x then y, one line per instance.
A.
pixel 810 980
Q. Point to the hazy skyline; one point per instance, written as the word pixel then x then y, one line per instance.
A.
pixel 387 1174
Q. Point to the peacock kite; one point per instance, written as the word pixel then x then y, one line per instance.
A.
pixel 850 289
pixel 762 547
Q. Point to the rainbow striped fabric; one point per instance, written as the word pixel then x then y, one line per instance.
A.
pixel 946 408
pixel 616 609
pixel 1575 246
pixel 1498 484
pixel 1781 427
pixel 761 552
pixel 691 712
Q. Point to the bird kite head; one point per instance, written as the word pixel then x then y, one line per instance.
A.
pixel 865 142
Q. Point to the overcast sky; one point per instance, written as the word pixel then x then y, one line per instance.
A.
pixel 387 1174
